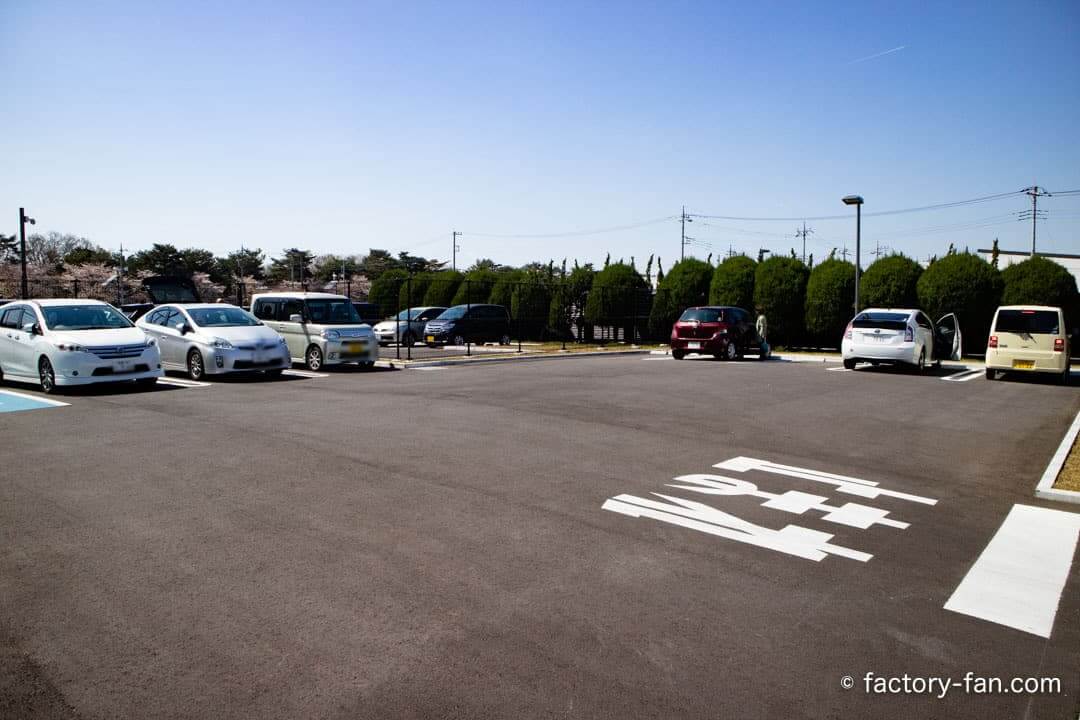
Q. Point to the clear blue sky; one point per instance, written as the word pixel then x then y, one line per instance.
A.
pixel 343 126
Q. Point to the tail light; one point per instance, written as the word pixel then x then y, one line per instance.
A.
pixel 909 334
pixel 1059 344
pixel 993 341
pixel 847 332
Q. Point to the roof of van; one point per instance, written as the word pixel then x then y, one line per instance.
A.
pixel 1029 307
pixel 300 296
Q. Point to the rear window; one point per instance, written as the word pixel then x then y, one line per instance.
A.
pixel 1034 322
pixel 703 315
pixel 883 320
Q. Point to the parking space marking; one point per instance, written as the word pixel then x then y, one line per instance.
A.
pixel 304 373
pixel 964 375
pixel 181 382
pixel 429 368
pixel 838 369
pixel 1018 579
pixel 795 540
pixel 11 401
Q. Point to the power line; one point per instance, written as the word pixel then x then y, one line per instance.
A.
pixel 939 206
pixel 574 233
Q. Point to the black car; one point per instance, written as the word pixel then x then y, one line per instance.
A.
pixel 368 312
pixel 469 323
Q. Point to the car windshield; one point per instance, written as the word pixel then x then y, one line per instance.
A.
pixel 455 313
pixel 1028 322
pixel 332 312
pixel 84 317
pixel 883 320
pixel 703 315
pixel 222 317
pixel 412 313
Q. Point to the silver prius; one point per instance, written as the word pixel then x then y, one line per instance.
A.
pixel 214 338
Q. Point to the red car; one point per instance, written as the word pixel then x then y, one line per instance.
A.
pixel 723 332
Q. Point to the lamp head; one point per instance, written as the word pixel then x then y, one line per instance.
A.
pixel 853 200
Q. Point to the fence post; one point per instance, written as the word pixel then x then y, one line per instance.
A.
pixel 468 304
pixel 408 314
pixel 75 288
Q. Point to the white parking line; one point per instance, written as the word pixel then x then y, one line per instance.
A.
pixel 1020 575
pixel 963 375
pixel 181 382
pixel 304 374
pixel 429 368
pixel 838 369
pixel 35 398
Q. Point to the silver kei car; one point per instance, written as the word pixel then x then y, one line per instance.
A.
pixel 202 339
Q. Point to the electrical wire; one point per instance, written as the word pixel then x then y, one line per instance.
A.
pixel 575 233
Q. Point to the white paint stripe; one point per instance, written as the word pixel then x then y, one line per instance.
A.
pixel 1020 575
pixel 963 375
pixel 304 374
pixel 178 382
pixel 435 367
pixel 1045 488
pixel 838 369
pixel 843 483
pixel 35 398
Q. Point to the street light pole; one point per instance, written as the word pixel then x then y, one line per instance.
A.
pixel 857 201
pixel 23 219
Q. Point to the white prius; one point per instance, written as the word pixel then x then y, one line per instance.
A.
pixel 900 336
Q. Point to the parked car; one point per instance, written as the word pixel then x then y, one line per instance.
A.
pixel 407 326
pixel 319 328
pixel 368 312
pixel 58 343
pixel 904 336
pixel 211 339
pixel 1028 338
pixel 469 323
pixel 718 330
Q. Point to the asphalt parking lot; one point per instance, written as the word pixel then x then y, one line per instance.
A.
pixel 465 542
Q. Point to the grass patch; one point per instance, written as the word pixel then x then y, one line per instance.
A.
pixel 1069 477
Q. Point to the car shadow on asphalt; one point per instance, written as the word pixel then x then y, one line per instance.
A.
pixel 930 371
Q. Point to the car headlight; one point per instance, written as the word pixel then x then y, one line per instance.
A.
pixel 721 332
pixel 151 342
pixel 221 344
pixel 330 334
pixel 70 347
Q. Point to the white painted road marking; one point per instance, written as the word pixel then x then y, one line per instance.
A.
pixel 182 382
pixel 1020 575
pixel 843 483
pixel 838 369
pixel 304 373
pixel 963 375
pixel 1045 488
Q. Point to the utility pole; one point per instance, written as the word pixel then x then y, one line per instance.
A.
pixel 682 246
pixel 879 250
pixel 23 219
pixel 120 276
pixel 1034 192
pixel 803 233
pixel 454 236
pixel 844 253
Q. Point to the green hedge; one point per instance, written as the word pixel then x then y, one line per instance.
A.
pixel 442 288
pixel 502 292
pixel 733 283
pixel 619 297
pixel 385 291
pixel 1039 281
pixel 412 292
pixel 891 282
pixel 475 287
pixel 530 305
pixel 830 302
pixel 967 285
pixel 568 301
pixel 780 293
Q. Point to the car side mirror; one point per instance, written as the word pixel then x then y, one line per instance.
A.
pixel 32 328
pixel 184 328
pixel 296 318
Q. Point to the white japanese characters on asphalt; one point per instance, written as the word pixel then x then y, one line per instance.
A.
pixel 791 539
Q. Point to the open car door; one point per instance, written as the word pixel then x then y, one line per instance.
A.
pixel 948 344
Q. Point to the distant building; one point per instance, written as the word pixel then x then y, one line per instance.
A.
pixel 1008 257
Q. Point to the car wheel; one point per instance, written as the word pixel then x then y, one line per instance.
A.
pixel 849 364
pixel 459 340
pixel 1 376
pixel 731 352
pixel 991 374
pixel 367 365
pixel 46 376
pixel 313 358
pixel 274 374
pixel 764 353
pixel 195 367
pixel 1064 379
pixel 408 339
pixel 678 354
pixel 504 340
pixel 920 365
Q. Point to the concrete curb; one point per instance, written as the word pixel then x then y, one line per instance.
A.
pixel 509 357
pixel 1045 489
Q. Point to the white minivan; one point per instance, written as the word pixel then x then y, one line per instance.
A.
pixel 73 342
pixel 319 328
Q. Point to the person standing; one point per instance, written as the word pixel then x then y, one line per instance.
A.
pixel 762 325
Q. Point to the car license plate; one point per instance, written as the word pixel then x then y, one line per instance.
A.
pixel 693 346
pixel 431 338
pixel 123 365
pixel 1023 364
